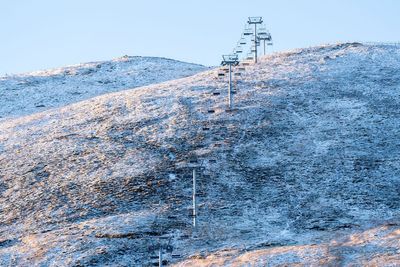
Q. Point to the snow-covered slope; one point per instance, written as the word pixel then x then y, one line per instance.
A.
pixel 309 158
pixel 38 91
pixel 377 246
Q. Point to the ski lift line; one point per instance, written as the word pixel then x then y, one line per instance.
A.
pixel 258 34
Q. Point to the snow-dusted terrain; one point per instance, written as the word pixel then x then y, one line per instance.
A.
pixel 38 91
pixel 304 172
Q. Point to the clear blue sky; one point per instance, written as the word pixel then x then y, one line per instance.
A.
pixel 40 34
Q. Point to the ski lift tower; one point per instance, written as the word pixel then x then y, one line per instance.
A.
pixel 255 21
pixel 265 36
pixel 230 60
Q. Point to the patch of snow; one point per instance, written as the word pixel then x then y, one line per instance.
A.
pixel 42 90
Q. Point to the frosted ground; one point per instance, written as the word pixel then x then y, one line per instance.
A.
pixel 306 170
pixel 33 92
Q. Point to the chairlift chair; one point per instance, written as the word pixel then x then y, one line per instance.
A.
pixel 238 50
pixel 262 32
pixel 232 59
pixel 262 29
pixel 265 36
pixel 269 40
pixel 248 30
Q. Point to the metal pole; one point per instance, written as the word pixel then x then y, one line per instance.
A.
pixel 264 47
pixel 230 102
pixel 194 198
pixel 255 43
pixel 159 257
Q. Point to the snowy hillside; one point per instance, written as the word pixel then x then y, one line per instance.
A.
pixel 38 91
pixel 306 171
